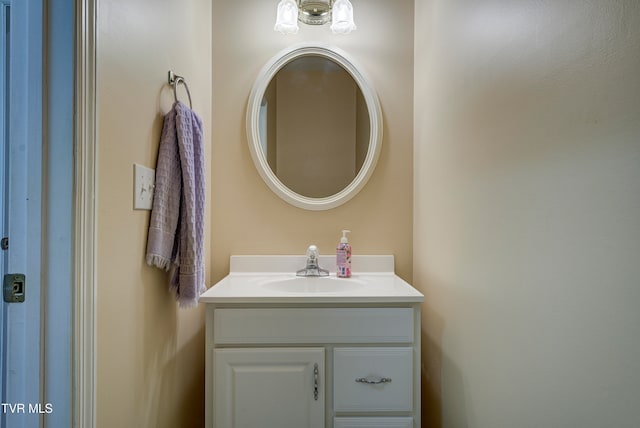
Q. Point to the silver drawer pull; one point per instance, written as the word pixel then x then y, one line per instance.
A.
pixel 315 381
pixel 373 380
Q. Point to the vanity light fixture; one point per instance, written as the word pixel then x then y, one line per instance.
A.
pixel 315 12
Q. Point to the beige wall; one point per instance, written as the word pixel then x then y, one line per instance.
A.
pixel 247 218
pixel 150 361
pixel 527 212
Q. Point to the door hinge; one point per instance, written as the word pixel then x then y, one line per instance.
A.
pixel 4 244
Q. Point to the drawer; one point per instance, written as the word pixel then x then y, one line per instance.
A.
pixel 381 422
pixel 312 325
pixel 373 379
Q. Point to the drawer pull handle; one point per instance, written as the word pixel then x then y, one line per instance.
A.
pixel 315 382
pixel 370 380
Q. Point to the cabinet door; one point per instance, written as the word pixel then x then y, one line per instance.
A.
pixel 268 387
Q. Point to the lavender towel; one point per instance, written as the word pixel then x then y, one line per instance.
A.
pixel 176 229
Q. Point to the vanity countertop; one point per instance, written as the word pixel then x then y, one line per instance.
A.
pixel 272 280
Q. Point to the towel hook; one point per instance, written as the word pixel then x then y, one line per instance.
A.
pixel 174 80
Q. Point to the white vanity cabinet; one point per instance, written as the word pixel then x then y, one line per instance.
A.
pixel 293 360
pixel 314 366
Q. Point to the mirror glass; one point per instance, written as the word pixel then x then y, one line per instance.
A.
pixel 314 126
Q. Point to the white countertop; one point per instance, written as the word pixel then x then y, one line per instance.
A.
pixel 272 279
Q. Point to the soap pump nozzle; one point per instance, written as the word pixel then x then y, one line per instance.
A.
pixel 344 239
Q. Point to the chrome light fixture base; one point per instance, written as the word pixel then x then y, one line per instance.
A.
pixel 315 12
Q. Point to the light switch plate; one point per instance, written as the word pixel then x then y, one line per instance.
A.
pixel 143 184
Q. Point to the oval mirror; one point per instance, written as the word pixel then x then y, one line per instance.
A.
pixel 314 126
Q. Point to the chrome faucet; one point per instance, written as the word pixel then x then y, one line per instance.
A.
pixel 312 268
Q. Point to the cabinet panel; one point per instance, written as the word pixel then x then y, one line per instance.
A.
pixel 268 387
pixel 313 325
pixel 373 379
pixel 381 422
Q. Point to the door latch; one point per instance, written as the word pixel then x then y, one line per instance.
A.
pixel 4 243
pixel 14 284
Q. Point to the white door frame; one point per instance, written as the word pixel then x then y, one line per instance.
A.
pixel 84 305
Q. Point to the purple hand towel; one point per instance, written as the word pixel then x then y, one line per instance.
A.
pixel 176 228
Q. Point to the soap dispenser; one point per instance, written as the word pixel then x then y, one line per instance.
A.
pixel 343 257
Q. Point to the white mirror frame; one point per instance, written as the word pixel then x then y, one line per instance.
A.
pixel 253 130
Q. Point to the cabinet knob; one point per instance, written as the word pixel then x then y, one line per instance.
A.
pixel 373 380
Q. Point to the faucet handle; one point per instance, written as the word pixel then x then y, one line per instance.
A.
pixel 312 268
pixel 313 252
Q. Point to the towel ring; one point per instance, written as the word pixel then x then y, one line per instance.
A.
pixel 174 80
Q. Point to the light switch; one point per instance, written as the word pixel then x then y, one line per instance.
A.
pixel 143 184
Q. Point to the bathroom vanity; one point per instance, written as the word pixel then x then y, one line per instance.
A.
pixel 295 352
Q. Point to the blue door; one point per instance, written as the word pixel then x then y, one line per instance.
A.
pixel 36 212
pixel 21 213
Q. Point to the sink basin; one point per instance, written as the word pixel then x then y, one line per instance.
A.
pixel 300 284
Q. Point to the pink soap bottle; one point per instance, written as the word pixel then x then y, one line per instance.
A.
pixel 343 257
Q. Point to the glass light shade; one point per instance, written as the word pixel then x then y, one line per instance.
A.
pixel 287 19
pixel 342 17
